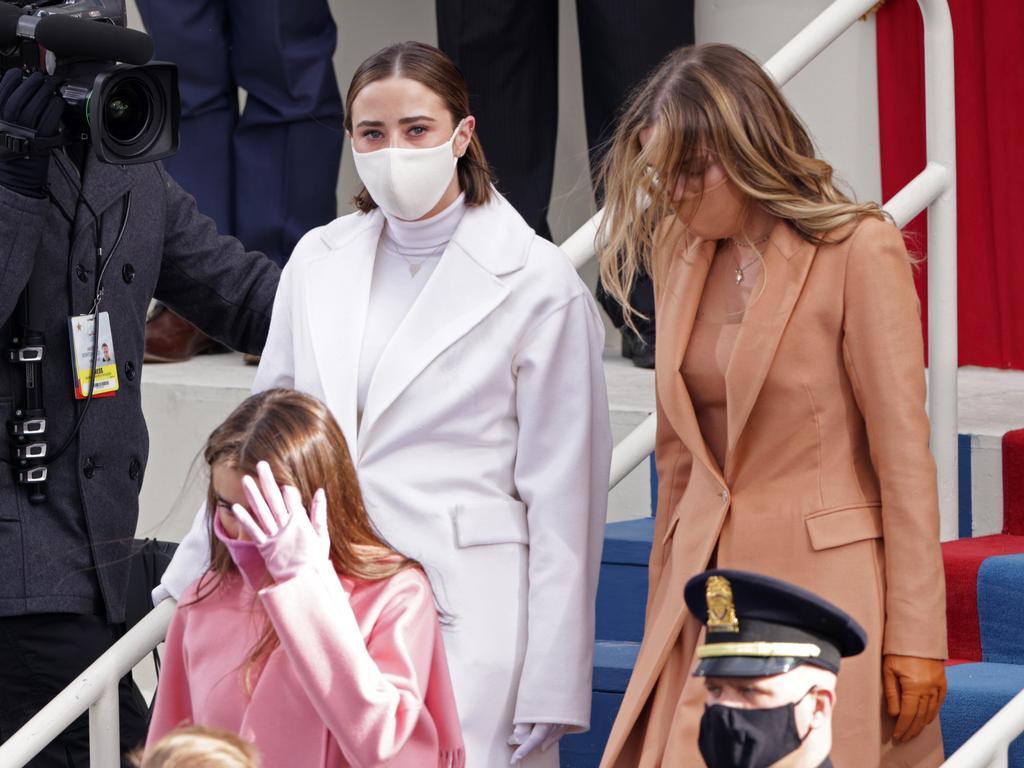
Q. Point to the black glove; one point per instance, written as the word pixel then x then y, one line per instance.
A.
pixel 30 103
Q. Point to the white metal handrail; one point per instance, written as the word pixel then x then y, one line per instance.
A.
pixel 96 690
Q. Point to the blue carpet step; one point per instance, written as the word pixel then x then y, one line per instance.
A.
pixel 613 663
pixel 1001 609
pixel 976 692
pixel 622 587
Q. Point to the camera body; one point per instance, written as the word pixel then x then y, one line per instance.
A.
pixel 129 112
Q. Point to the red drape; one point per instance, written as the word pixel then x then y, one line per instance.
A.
pixel 989 60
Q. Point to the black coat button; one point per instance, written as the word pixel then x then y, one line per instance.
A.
pixel 128 273
pixel 134 469
pixel 89 468
pixel 82 274
pixel 129 371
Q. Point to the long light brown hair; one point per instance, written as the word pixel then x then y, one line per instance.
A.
pixel 300 439
pixel 710 103
pixel 430 67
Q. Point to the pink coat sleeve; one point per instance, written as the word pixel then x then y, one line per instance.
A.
pixel 369 693
pixel 173 704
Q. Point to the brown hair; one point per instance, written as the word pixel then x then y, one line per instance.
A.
pixel 300 439
pixel 196 746
pixel 710 101
pixel 430 67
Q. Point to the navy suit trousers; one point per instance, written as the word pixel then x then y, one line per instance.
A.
pixel 508 52
pixel 267 173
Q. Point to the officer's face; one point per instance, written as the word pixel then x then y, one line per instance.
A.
pixel 751 692
pixel 778 691
pixel 227 490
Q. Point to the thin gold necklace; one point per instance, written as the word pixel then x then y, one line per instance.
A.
pixel 740 268
pixel 753 244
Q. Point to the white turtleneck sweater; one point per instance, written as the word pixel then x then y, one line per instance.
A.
pixel 407 254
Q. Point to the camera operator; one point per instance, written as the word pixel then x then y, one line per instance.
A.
pixel 100 240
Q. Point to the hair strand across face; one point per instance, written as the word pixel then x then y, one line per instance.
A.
pixel 706 103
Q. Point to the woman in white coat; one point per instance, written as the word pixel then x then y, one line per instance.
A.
pixel 461 355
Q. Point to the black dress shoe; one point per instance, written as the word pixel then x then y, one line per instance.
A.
pixel 640 351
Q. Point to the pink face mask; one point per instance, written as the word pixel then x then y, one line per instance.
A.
pixel 244 553
pixel 715 214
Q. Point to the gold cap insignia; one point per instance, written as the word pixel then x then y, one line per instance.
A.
pixel 721 610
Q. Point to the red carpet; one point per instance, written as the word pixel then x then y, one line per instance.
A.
pixel 1013 482
pixel 962 559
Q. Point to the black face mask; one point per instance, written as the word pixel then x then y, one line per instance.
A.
pixel 748 738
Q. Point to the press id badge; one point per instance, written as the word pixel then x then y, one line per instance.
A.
pixel 83 329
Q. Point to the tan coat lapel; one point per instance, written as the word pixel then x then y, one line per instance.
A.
pixel 677 309
pixel 788 259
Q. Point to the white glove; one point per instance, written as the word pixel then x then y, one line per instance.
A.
pixel 529 736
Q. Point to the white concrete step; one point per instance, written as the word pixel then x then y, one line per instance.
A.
pixel 184 402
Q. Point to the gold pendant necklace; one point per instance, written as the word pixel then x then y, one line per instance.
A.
pixel 752 244
pixel 739 272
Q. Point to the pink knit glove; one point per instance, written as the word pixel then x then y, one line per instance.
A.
pixel 287 538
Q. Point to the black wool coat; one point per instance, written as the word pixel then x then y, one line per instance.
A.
pixel 70 553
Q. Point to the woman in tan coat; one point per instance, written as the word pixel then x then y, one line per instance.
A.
pixel 792 435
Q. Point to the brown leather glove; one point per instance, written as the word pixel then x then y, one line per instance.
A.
pixel 914 691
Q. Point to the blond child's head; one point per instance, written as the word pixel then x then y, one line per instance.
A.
pixel 198 747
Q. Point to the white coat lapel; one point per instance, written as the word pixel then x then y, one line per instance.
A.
pixel 465 288
pixel 337 293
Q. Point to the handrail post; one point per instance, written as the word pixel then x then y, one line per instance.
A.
pixel 97 685
pixel 105 729
pixel 943 363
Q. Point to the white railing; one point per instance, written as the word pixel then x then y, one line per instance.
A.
pixel 934 188
pixel 96 690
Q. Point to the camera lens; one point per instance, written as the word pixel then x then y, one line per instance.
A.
pixel 127 111
pixel 131 112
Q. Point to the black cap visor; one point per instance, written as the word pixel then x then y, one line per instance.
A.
pixel 752 666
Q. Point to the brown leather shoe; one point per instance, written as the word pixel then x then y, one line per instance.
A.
pixel 172 339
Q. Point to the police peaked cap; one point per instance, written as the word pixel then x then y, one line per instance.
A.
pixel 759 626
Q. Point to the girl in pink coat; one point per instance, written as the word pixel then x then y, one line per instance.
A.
pixel 308 635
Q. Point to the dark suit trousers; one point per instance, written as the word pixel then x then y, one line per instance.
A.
pixel 40 655
pixel 268 174
pixel 508 52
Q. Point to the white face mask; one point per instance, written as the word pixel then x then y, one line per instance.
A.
pixel 407 183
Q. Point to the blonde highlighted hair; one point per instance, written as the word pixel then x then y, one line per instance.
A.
pixel 198 747
pixel 709 103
